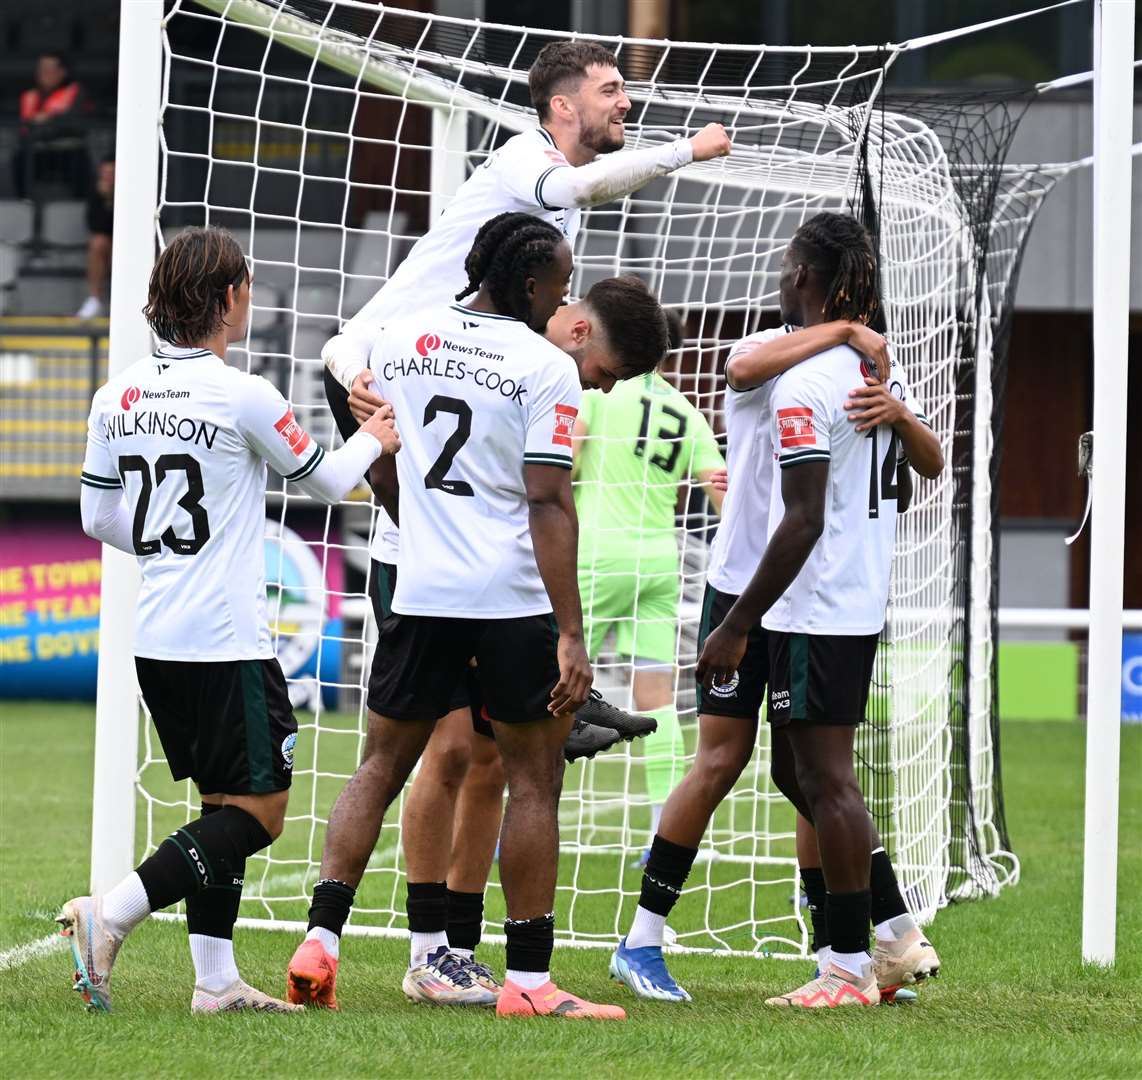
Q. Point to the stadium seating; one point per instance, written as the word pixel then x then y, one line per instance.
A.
pixel 17 221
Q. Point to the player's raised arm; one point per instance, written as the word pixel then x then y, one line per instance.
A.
pixel 269 426
pixel 578 92
pixel 610 177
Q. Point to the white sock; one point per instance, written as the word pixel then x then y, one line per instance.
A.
pixel 126 905
pixel 214 967
pixel 823 957
pixel 529 980
pixel 464 954
pixel 655 818
pixel 328 939
pixel 423 944
pixel 647 929
pixel 895 928
pixel 855 963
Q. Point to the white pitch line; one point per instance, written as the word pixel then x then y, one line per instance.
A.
pixel 19 955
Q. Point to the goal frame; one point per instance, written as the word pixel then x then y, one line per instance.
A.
pixel 140 133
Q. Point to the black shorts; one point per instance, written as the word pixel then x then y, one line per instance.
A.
pixel 467 695
pixel 421 661
pixel 819 678
pixel 743 694
pixel 227 724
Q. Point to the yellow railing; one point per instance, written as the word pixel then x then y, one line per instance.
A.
pixel 49 368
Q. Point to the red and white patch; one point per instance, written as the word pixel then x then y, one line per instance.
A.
pixel 130 396
pixel 556 156
pixel 296 437
pixel 564 424
pixel 427 343
pixel 795 428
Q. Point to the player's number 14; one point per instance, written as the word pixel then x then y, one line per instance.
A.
pixel 881 476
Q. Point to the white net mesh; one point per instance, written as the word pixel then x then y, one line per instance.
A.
pixel 326 136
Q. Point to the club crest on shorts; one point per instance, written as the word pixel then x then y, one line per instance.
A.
pixel 288 744
pixel 726 689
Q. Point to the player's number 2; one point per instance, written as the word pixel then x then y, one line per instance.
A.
pixel 191 502
pixel 436 477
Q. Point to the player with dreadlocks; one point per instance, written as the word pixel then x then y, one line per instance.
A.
pixel 842 457
pixel 486 571
pixel 728 715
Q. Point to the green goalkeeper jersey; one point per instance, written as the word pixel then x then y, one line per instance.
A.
pixel 643 439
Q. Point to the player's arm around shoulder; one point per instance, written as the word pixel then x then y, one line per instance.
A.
pixel 892 403
pixel 756 360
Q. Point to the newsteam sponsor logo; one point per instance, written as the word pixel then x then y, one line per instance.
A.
pixel 133 394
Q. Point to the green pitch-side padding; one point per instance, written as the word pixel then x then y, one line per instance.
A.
pixel 1038 680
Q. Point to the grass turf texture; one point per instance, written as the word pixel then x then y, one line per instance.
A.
pixel 1013 1000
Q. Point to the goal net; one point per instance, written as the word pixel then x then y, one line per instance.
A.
pixel 327 136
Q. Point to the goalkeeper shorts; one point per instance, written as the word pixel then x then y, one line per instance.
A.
pixel 638 599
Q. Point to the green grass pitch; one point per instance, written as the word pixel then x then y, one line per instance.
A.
pixel 1013 999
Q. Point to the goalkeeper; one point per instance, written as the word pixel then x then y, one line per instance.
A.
pixel 634 448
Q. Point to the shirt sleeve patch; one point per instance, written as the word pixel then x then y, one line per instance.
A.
pixel 564 424
pixel 295 436
pixel 555 156
pixel 795 427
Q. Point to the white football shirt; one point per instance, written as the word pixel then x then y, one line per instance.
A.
pixel 188 439
pixel 476 397
pixel 843 586
pixel 511 179
pixel 740 540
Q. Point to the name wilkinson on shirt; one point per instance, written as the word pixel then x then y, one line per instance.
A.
pixel 185 428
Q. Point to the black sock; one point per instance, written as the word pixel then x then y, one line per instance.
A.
pixel 330 906
pixel 813 882
pixel 848 921
pixel 427 907
pixel 887 902
pixel 210 850
pixel 665 874
pixel 465 919
pixel 530 942
pixel 214 911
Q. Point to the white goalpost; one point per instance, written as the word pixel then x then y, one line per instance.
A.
pixel 1113 105
pixel 327 136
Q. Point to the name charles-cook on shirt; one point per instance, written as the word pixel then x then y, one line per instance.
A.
pixel 449 368
pixel 146 422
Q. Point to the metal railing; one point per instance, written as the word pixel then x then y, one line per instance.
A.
pixel 49 370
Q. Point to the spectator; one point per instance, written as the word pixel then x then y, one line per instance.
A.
pixel 53 145
pixel 100 211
